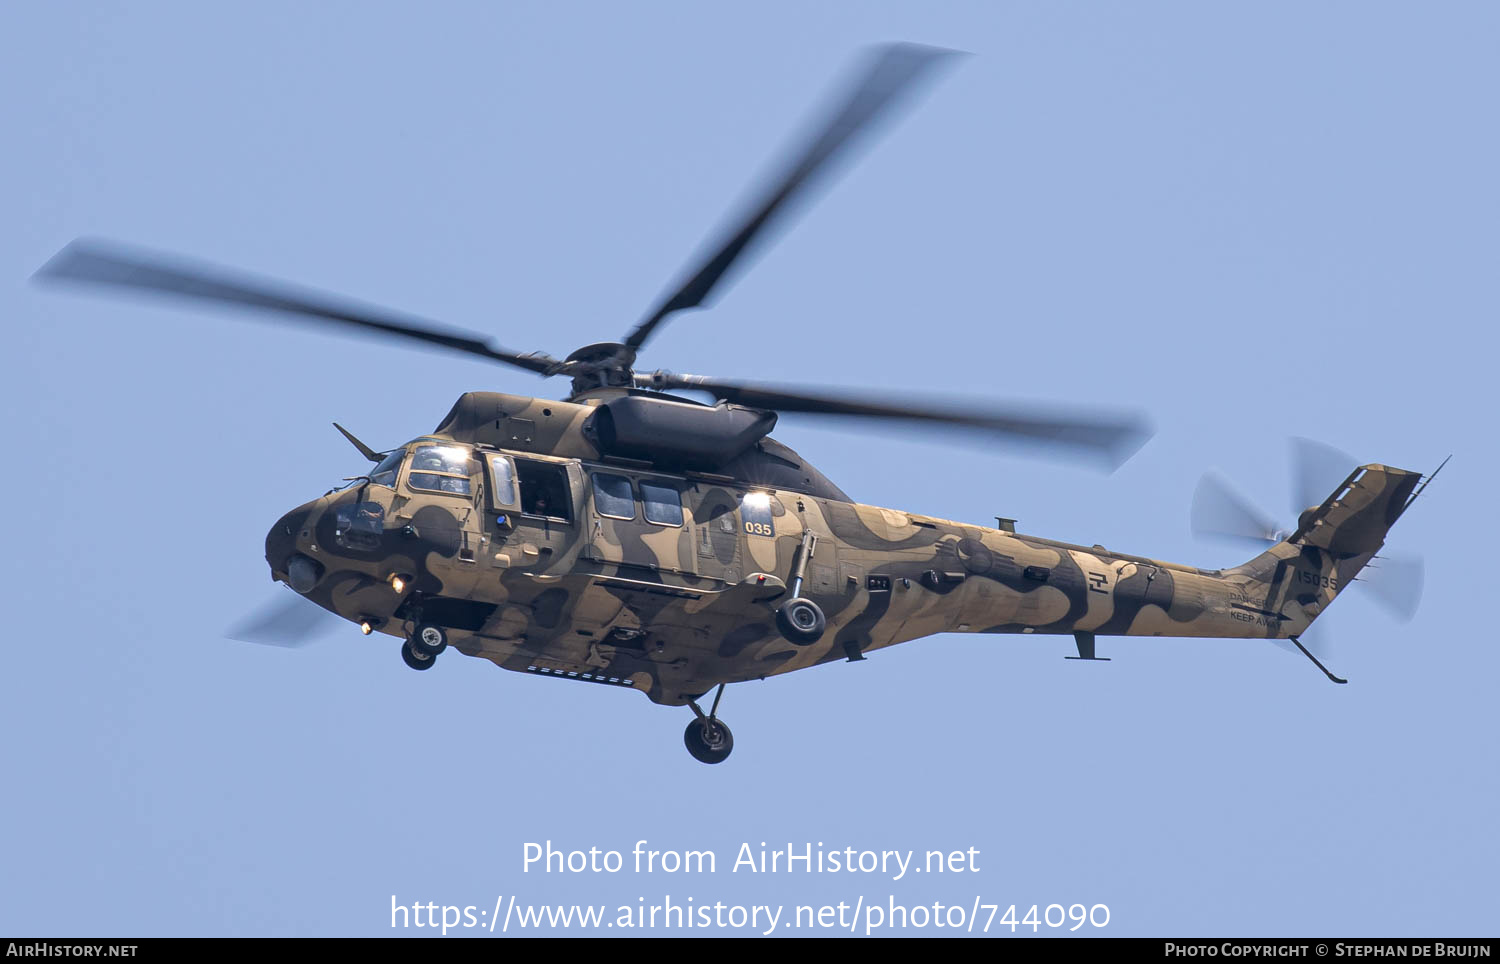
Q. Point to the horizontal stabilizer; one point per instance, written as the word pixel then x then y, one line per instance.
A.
pixel 1355 518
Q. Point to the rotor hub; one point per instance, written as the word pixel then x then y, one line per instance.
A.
pixel 603 365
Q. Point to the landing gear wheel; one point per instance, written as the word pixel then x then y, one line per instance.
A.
pixel 414 659
pixel 429 639
pixel 708 740
pixel 801 621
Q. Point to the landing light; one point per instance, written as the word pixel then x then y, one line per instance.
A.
pixel 365 628
pixel 397 583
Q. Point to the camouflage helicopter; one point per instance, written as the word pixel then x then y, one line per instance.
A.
pixel 632 537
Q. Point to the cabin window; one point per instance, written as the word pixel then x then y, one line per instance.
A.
pixel 440 468
pixel 612 496
pixel 662 502
pixel 385 472
pixel 544 490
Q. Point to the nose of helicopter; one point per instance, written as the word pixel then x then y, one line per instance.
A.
pixel 285 537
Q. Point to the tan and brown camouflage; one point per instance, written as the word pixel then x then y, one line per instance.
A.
pixel 673 610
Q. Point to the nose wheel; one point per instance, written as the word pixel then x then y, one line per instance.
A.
pixel 416 660
pixel 422 648
pixel 707 737
pixel 428 639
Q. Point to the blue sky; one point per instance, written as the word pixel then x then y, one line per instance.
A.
pixel 1248 222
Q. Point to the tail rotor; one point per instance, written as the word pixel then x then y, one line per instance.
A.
pixel 1219 510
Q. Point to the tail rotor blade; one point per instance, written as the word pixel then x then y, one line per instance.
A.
pixel 1221 511
pixel 1316 469
pixel 290 621
pixel 1395 582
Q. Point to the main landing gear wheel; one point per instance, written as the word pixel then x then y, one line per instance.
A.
pixel 708 740
pixel 801 621
pixel 429 639
pixel 707 737
pixel 414 659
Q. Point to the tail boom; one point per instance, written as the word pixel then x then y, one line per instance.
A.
pixel 1032 585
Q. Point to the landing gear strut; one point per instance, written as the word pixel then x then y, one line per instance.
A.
pixel 706 737
pixel 800 620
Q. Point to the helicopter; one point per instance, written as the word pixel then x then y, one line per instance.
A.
pixel 634 537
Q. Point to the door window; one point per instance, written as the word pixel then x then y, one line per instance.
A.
pixel 503 482
pixel 544 490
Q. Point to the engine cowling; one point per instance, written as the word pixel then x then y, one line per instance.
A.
pixel 676 434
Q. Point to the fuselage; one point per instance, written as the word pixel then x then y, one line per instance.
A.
pixel 617 572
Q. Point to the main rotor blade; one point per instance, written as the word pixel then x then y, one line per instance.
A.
pixel 890 74
pixel 1316 468
pixel 1221 511
pixel 112 265
pixel 1110 440
pixel 289 621
pixel 1395 582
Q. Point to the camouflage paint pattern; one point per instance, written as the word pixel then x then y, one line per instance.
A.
pixel 674 610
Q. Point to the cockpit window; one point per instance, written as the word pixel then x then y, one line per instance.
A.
pixel 440 458
pixel 440 468
pixel 438 483
pixel 359 526
pixel 385 472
